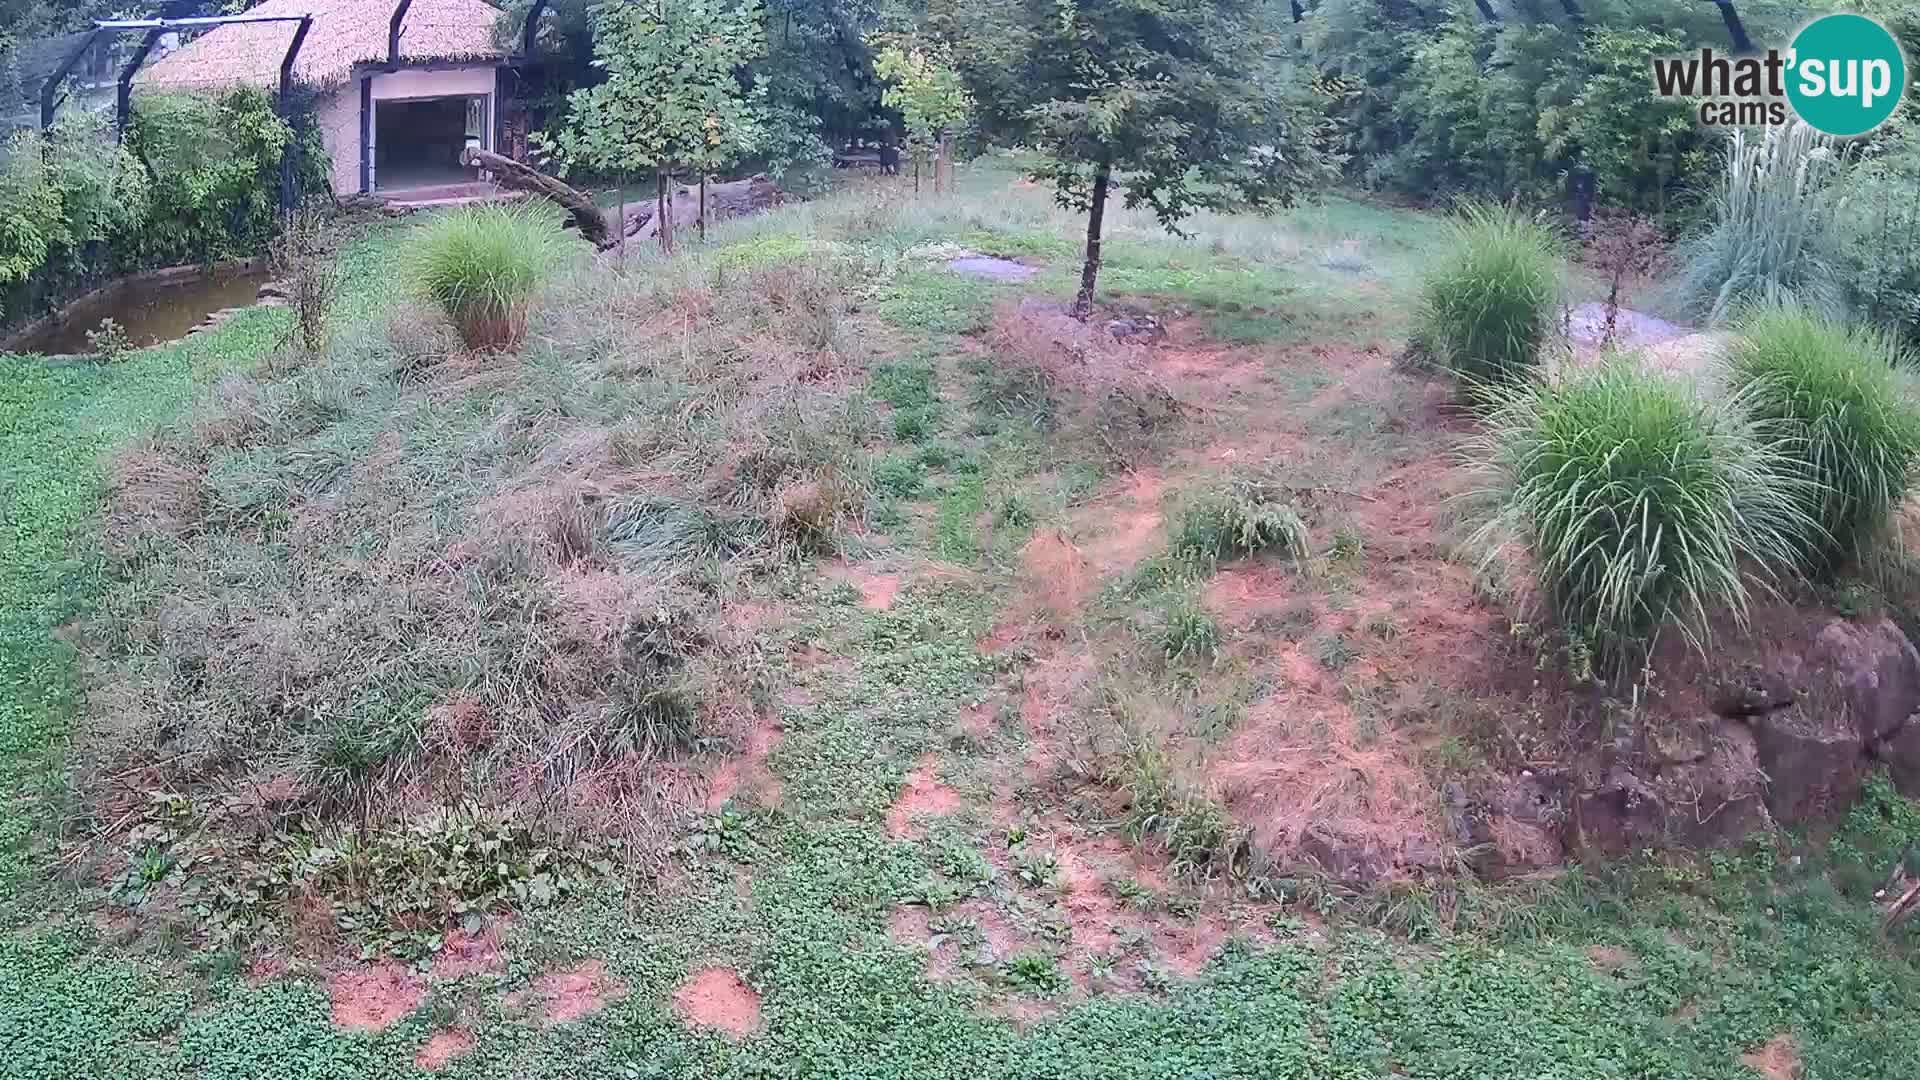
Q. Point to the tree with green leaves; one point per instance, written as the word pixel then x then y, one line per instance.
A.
pixel 923 85
pixel 672 99
pixel 1182 105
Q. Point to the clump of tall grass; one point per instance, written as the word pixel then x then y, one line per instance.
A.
pixel 481 265
pixel 1772 236
pixel 1643 505
pixel 1831 391
pixel 1490 305
pixel 1240 516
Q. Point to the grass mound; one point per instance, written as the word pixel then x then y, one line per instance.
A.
pixel 481 265
pixel 1489 306
pixel 1239 517
pixel 1832 393
pixel 1642 505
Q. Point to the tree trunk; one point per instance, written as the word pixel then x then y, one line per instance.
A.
pixel 663 210
pixel 917 155
pixel 623 231
pixel 703 208
pixel 939 157
pixel 512 174
pixel 1083 302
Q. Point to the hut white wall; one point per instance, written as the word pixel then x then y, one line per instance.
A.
pixel 423 83
pixel 339 117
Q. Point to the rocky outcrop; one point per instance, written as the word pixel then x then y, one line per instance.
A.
pixel 1703 788
pixel 1790 739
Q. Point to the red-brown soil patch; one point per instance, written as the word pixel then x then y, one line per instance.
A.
pixel 924 796
pixel 1121 526
pixel 1609 958
pixel 747 771
pixel 877 590
pixel 566 996
pixel 1776 1059
pixel 718 998
pixel 442 1047
pixel 470 952
pixel 1093 915
pixel 266 968
pixel 1193 942
pixel 374 997
pixel 1056 574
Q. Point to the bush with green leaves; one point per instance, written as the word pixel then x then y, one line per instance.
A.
pixel 482 265
pixel 1641 506
pixel 215 168
pixel 1830 395
pixel 61 193
pixel 1490 303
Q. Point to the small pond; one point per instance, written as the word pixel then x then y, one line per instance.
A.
pixel 150 311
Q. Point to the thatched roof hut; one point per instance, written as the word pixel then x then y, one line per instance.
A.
pixel 345 33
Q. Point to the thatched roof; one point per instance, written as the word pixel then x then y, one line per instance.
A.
pixel 345 32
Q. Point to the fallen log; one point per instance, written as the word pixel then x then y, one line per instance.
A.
pixel 733 198
pixel 587 217
pixel 1901 908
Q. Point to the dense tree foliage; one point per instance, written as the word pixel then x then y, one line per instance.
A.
pixel 671 99
pixel 1179 106
pixel 196 179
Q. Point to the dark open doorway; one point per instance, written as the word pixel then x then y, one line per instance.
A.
pixel 417 143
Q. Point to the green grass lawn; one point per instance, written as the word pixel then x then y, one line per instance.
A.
pixel 956 948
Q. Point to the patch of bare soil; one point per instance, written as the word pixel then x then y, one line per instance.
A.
pixel 923 797
pixel 442 1047
pixel 1056 574
pixel 1609 958
pixel 374 997
pixel 470 952
pixel 718 998
pixel 877 590
pixel 566 996
pixel 1776 1059
pixel 266 968
pixel 1122 525
pixel 747 772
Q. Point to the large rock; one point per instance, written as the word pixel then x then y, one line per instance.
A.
pixel 1349 859
pixel 1902 755
pixel 1618 815
pixel 1813 756
pixel 1719 799
pixel 1874 670
pixel 1708 792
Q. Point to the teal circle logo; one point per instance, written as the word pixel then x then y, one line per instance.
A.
pixel 1845 74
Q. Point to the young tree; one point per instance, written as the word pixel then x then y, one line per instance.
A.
pixel 672 98
pixel 1180 105
pixel 924 87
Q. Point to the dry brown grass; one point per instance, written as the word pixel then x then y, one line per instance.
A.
pixel 1093 387
pixel 411 575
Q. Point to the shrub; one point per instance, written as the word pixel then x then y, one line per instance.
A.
pixel 1642 505
pixel 1490 304
pixel 1831 392
pixel 1239 517
pixel 1772 238
pixel 1879 229
pixel 481 265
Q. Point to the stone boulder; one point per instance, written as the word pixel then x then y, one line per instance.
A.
pixel 1818 713
pixel 1708 792
pixel 1875 671
pixel 1814 759
pixel 1902 755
